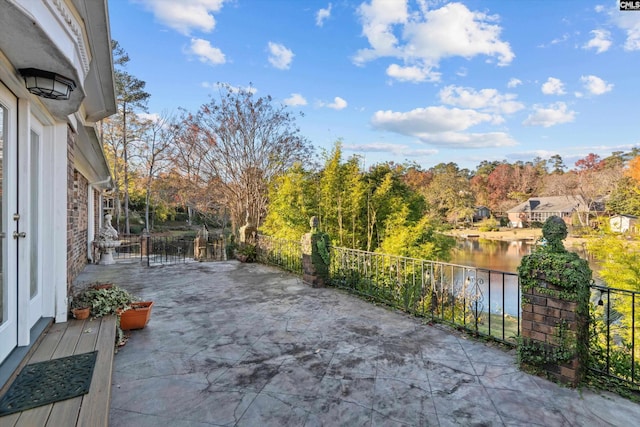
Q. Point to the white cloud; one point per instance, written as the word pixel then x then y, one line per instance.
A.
pixel 601 41
pixel 427 37
pixel 488 100
pixel 233 89
pixel 428 120
pixel 322 15
pixel 441 126
pixel 595 85
pixel 462 72
pixel 560 39
pixel 470 140
pixel 279 56
pixel 394 149
pixel 152 117
pixel 295 100
pixel 552 115
pixel 337 104
pixel 185 16
pixel 412 74
pixel 377 20
pixel 629 22
pixel 206 53
pixel 553 86
pixel 513 82
pixel 236 89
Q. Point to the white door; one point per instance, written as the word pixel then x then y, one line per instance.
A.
pixel 10 234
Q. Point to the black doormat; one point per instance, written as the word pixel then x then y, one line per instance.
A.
pixel 47 382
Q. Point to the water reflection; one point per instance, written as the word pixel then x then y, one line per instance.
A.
pixel 491 254
pixel 499 254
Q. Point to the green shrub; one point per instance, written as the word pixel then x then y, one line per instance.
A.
pixel 103 301
pixel 489 224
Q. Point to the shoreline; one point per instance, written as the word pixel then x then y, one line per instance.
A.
pixel 511 234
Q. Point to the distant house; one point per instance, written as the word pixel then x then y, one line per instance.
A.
pixel 538 209
pixel 624 223
pixel 480 213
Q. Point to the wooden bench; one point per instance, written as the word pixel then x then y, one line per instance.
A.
pixel 67 339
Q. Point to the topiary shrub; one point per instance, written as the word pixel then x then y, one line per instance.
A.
pixel 320 255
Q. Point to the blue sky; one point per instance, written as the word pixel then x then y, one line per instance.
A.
pixel 419 80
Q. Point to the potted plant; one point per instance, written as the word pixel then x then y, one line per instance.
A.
pixel 246 253
pixel 107 300
pixel 136 315
pixel 102 286
pixel 81 313
pixel 103 301
pixel 80 306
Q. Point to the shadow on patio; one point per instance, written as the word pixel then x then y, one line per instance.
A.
pixel 246 344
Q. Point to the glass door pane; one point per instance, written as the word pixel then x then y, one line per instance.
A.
pixel 8 206
pixel 3 228
pixel 34 198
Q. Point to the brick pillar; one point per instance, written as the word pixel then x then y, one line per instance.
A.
pixel 144 243
pixel 554 337
pixel 553 329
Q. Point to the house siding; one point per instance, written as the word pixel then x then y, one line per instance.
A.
pixel 77 214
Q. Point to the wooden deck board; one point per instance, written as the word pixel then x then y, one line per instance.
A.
pixel 94 412
pixel 66 339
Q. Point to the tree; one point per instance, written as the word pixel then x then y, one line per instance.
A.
pixel 619 262
pixel 188 184
pixel 415 239
pixel 130 96
pixel 153 153
pixel 594 180
pixel 342 198
pixel 591 162
pixel 249 142
pixel 292 203
pixel 526 181
pixel 500 184
pixel 633 169
pixel 625 197
pixel 449 193
pixel 485 167
pixel 557 164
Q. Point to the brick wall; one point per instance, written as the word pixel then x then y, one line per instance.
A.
pixel 77 214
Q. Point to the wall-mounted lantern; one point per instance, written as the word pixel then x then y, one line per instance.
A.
pixel 47 84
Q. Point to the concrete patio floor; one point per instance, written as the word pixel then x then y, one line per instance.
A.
pixel 249 345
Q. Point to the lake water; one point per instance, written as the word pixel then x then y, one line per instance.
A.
pixel 496 254
pixel 498 292
pixel 491 254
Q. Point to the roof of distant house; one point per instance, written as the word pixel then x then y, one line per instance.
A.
pixel 552 204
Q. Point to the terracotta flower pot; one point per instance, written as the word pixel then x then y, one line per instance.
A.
pixel 103 286
pixel 137 316
pixel 81 313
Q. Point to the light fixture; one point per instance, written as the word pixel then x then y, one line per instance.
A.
pixel 47 84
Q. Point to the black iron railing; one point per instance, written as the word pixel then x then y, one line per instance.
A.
pixel 167 250
pixel 614 346
pixel 153 250
pixel 485 302
pixel 286 254
pixel 130 247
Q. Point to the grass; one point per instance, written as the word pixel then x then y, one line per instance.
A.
pixel 510 327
